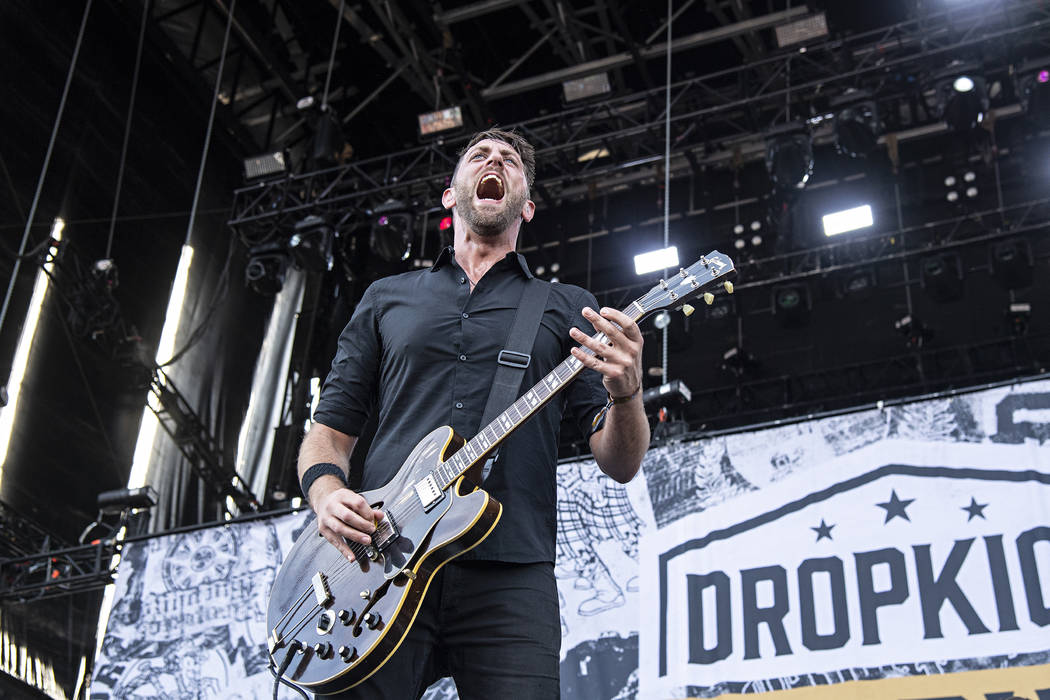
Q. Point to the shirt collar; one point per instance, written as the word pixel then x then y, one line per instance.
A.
pixel 447 256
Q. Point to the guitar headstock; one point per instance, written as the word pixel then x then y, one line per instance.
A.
pixel 689 283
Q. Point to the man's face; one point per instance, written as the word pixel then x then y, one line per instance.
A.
pixel 490 188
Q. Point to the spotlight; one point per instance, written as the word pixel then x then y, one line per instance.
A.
pixel 961 97
pixel 952 196
pixel 970 176
pixel 266 269
pixel 391 235
pixel 847 220
pixel 915 332
pixel 971 192
pixel 739 243
pixel 738 229
pixel 311 244
pixel 1032 85
pixel 445 224
pixel 949 181
pixel 942 276
pixel 1011 263
pixel 756 225
pixel 856 130
pixel 791 304
pixel 662 320
pixel 756 240
pixel 663 259
pixel 789 160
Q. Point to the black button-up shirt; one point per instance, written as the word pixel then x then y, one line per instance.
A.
pixel 421 349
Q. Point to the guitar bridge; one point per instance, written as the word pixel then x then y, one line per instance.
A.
pixel 429 492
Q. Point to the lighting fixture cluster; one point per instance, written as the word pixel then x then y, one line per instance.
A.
pixel 966 183
pixel 752 234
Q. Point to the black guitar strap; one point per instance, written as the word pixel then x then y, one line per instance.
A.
pixel 515 356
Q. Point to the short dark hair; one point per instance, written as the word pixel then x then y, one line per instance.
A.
pixel 513 139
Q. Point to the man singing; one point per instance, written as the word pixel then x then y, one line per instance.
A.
pixel 421 350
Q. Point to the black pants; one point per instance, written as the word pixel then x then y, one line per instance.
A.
pixel 492 626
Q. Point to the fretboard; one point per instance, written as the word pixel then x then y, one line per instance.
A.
pixel 481 445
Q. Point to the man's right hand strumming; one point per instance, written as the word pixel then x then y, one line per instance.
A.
pixel 342 514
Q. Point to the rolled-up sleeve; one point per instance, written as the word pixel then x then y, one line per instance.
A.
pixel 586 396
pixel 349 391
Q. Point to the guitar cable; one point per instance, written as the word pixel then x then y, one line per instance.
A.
pixel 278 674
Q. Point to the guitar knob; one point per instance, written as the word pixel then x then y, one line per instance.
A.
pixel 346 616
pixel 366 594
pixel 323 649
pixel 372 620
pixel 346 653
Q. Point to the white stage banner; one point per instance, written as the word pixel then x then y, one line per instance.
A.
pixel 902 552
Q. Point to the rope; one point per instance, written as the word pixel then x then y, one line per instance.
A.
pixel 127 129
pixel 47 162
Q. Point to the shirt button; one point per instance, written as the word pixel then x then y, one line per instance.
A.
pixel 466 315
pixel 462 280
pixel 459 404
pixel 462 358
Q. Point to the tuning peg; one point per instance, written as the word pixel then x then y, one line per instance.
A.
pixel 728 285
pixel 709 298
pixel 687 309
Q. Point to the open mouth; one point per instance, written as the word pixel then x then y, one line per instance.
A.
pixel 490 187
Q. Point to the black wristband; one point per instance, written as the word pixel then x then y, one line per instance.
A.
pixel 317 471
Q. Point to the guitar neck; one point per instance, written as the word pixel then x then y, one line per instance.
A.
pixel 478 448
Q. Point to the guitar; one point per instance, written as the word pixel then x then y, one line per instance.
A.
pixel 333 623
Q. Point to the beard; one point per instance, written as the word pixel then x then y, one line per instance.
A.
pixel 487 223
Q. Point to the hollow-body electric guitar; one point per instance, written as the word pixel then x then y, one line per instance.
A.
pixel 332 623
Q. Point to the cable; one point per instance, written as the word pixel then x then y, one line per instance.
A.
pixel 278 675
pixel 331 56
pixel 667 176
pixel 211 122
pixel 47 162
pixel 127 129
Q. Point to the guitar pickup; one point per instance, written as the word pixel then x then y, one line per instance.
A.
pixel 428 492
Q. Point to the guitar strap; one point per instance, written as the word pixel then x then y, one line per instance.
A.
pixel 515 357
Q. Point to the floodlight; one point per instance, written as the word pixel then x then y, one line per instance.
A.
pixel 267 267
pixel 663 259
pixel 848 220
pixel 971 192
pixel 738 229
pixel 311 244
pixel 739 244
pixel 941 275
pixel 963 83
pixel 265 165
pixel 1011 262
pixel 1032 86
pixel 952 196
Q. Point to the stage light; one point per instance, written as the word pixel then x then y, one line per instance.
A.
pixel 327 144
pixel 442 121
pixel 1032 86
pixel 949 181
pixel 971 192
pixel 738 229
pixel 952 196
pixel 961 97
pixel 1011 263
pixel 915 332
pixel 857 130
pixel 1018 316
pixel 445 224
pixel 540 270
pixel 663 259
pixel 584 88
pixel 848 220
pixel 789 160
pixel 266 165
pixel 25 342
pixel 791 304
pixel 267 268
pixel 662 320
pixel 756 240
pixel 674 391
pixel 555 267
pixel 739 244
pixel 858 284
pixel 756 225
pixel 942 276
pixel 739 362
pixel 311 244
pixel 391 235
pixel 970 176
pixel 119 500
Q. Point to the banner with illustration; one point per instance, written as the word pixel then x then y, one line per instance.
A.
pixel 901 552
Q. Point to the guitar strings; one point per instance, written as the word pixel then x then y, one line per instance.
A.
pixel 358 549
